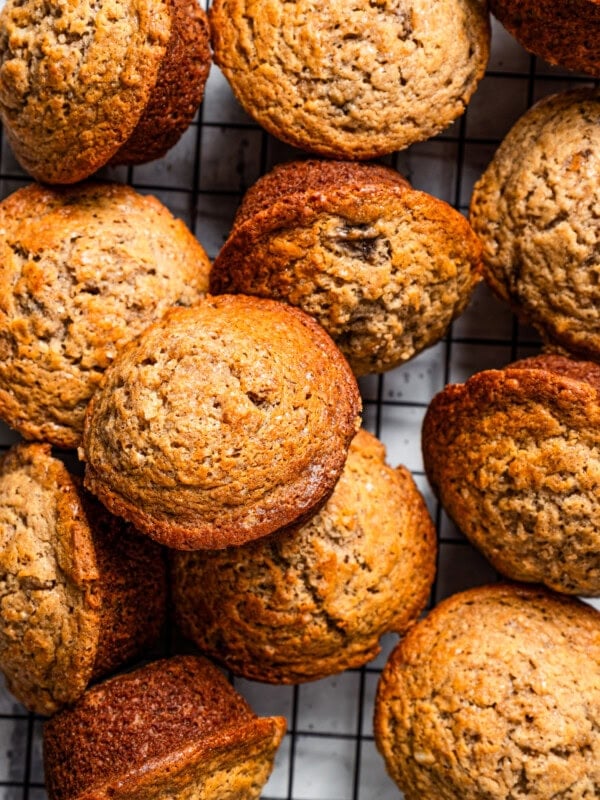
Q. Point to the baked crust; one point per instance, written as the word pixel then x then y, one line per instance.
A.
pixel 312 601
pixel 535 211
pixel 88 81
pixel 81 592
pixel 513 457
pixel 384 268
pixel 586 371
pixel 221 423
pixel 565 33
pixel 311 176
pixel 494 694
pixel 179 87
pixel 173 729
pixel 354 82
pixel 83 270
pixel 75 79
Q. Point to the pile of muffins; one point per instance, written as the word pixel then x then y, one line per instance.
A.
pixel 216 415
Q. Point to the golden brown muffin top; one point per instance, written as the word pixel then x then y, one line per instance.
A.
pixel 75 78
pixel 535 209
pixel 495 694
pixel 82 270
pixel 352 81
pixel 82 593
pixel 135 735
pixel 312 601
pixel 50 612
pixel 384 268
pixel 221 423
pixel 514 456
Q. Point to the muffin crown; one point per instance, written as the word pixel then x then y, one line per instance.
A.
pixel 83 269
pixel 535 209
pixel 50 618
pixel 315 599
pixel 221 423
pixel 352 82
pixel 494 694
pixel 514 457
pixel 384 268
pixel 82 593
pixel 75 78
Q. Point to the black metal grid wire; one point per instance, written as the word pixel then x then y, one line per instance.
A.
pixel 322 759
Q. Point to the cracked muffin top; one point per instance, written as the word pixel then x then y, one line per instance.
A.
pixel 82 270
pixel 384 268
pixel 221 423
pixel 175 728
pixel 514 456
pixel 352 81
pixel 495 694
pixel 536 211
pixel 566 33
pixel 311 601
pixel 80 592
pixel 86 82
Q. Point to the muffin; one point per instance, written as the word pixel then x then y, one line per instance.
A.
pixel 352 82
pixel 384 268
pixel 82 270
pixel 514 457
pixel 311 601
pixel 87 84
pixel 82 592
pixel 565 33
pixel 495 694
pixel 221 423
pixel 535 210
pixel 174 729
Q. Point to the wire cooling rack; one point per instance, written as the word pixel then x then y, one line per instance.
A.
pixel 329 753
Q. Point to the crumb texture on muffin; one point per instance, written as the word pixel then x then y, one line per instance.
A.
pixel 173 729
pixel 82 270
pixel 535 209
pixel 221 423
pixel 495 694
pixel 80 592
pixel 352 81
pixel 384 268
pixel 514 456
pixel 312 601
pixel 49 608
pixel 75 78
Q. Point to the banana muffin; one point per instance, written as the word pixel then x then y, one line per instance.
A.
pixel 535 210
pixel 82 270
pixel 309 602
pixel 496 695
pixel 82 593
pixel 352 81
pixel 221 423
pixel 565 33
pixel 173 730
pixel 514 456
pixel 83 84
pixel 384 268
